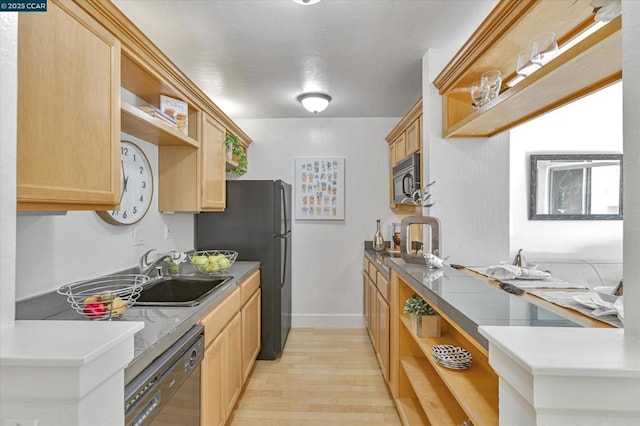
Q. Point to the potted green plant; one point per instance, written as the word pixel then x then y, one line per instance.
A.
pixel 425 321
pixel 235 149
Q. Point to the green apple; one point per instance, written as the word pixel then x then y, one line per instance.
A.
pixel 223 263
pixel 200 261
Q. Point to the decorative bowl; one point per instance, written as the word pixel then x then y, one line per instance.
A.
pixel 104 298
pixel 606 293
pixel 212 261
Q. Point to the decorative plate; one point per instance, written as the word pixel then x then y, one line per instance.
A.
pixel 451 356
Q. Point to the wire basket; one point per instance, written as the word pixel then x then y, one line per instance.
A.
pixel 104 298
pixel 213 261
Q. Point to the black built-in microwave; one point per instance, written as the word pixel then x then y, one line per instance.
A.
pixel 406 179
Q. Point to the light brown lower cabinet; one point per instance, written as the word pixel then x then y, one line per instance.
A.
pixel 373 313
pixel 376 314
pixel 212 412
pixel 366 307
pixel 250 333
pixel 233 363
pixel 383 336
pixel 232 342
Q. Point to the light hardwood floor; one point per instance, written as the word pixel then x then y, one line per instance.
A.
pixel 325 377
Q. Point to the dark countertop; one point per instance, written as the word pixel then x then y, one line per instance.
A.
pixel 468 301
pixel 163 326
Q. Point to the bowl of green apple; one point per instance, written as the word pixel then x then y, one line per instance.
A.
pixel 212 261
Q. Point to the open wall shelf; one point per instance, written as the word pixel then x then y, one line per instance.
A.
pixel 590 65
pixel 151 129
pixel 475 389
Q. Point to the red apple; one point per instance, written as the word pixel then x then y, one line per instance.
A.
pixel 94 309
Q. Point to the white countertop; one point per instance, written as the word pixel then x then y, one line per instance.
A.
pixel 592 352
pixel 61 343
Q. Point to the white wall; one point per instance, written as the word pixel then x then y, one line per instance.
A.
pixel 472 181
pixel 589 125
pixel 8 116
pixel 327 255
pixel 53 250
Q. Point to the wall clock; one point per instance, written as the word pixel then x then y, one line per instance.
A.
pixel 136 187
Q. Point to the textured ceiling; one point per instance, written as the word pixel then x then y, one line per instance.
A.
pixel 252 58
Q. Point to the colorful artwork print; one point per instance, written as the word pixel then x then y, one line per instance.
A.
pixel 319 188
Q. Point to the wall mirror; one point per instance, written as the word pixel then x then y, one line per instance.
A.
pixel 575 187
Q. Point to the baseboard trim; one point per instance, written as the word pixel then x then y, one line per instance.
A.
pixel 327 321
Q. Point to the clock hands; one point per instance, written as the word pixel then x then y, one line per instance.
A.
pixel 125 179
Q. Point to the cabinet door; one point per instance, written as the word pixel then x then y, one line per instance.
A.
pixel 414 136
pixel 365 301
pixel 212 411
pixel 401 148
pixel 383 336
pixel 212 165
pixel 373 314
pixel 250 333
pixel 68 153
pixel 233 363
pixel 392 156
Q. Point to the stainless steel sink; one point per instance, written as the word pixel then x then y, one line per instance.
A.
pixel 179 290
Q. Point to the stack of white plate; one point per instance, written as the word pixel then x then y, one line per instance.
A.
pixel 451 357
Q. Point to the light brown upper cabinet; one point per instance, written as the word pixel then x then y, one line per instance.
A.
pixel 414 136
pixel 405 139
pixel 194 179
pixel 72 63
pixel 400 144
pixel 587 66
pixel 68 153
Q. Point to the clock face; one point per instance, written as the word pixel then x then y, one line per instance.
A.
pixel 136 187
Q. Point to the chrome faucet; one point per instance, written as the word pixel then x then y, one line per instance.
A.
pixel 145 267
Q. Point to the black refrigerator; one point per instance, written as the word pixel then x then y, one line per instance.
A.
pixel 257 224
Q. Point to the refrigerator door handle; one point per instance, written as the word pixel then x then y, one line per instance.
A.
pixel 284 208
pixel 283 263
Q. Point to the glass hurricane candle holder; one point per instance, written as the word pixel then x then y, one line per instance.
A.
pixel 491 82
pixel 524 65
pixel 478 94
pixel 544 48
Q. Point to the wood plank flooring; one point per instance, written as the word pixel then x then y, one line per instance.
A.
pixel 324 377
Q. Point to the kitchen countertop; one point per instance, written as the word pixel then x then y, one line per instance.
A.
pixel 163 326
pixel 468 301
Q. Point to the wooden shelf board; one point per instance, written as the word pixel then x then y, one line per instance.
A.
pixel 410 412
pixel 590 65
pixel 150 129
pixel 436 401
pixel 144 83
pixel 475 388
pixel 231 164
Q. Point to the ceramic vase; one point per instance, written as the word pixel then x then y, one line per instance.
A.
pixel 426 325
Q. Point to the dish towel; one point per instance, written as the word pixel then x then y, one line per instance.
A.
pixel 510 272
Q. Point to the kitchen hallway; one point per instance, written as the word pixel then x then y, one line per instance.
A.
pixel 325 376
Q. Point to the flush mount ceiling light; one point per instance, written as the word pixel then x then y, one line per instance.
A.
pixel 314 102
pixel 306 2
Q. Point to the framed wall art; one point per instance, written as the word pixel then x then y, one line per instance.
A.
pixel 319 188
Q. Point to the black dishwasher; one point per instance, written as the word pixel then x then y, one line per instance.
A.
pixel 167 392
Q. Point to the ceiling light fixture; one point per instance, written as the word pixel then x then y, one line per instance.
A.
pixel 314 102
pixel 306 2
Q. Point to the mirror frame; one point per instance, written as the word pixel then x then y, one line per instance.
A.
pixel 533 186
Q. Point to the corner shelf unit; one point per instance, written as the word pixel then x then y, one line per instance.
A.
pixel 590 65
pixel 427 389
